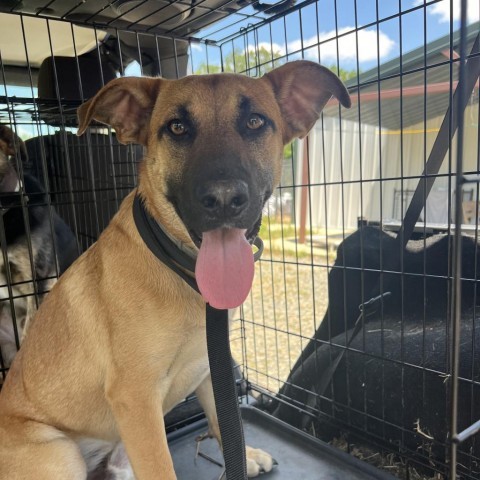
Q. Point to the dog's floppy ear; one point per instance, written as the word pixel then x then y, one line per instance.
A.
pixel 10 143
pixel 124 103
pixel 302 88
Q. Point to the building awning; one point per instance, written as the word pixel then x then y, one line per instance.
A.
pixel 409 89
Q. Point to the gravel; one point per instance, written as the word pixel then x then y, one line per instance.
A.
pixel 287 304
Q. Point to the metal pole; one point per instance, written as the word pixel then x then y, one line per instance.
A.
pixel 302 236
pixel 457 254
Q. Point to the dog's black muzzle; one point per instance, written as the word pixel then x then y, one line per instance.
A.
pixel 221 198
pixel 222 204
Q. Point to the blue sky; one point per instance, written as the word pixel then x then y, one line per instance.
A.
pixel 421 20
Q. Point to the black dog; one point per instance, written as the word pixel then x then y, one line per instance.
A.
pixel 393 382
pixel 36 245
pixel 420 290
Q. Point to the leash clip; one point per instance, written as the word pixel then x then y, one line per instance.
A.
pixel 370 306
pixel 258 242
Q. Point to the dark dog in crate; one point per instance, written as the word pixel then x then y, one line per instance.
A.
pixel 391 391
pixel 28 265
pixel 129 333
pixel 393 385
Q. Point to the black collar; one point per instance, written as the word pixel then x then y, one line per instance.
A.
pixel 161 245
pixel 165 249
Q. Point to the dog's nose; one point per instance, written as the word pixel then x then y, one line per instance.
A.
pixel 223 198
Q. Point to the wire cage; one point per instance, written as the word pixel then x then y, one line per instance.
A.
pixel 355 330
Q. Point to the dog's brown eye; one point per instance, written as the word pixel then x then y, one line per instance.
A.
pixel 255 121
pixel 177 127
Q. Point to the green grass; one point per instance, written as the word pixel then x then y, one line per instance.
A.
pixel 280 240
pixel 274 231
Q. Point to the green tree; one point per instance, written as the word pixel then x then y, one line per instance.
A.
pixel 254 62
pixel 344 74
pixel 205 68
pixel 258 61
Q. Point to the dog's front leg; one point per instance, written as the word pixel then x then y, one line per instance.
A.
pixel 139 416
pixel 258 461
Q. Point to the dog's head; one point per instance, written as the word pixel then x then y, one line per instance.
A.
pixel 11 145
pixel 215 142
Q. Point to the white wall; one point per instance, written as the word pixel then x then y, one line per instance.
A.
pixel 339 159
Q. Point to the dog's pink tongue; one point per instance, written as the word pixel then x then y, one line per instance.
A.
pixel 224 269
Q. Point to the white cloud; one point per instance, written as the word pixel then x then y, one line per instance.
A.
pixel 442 9
pixel 196 46
pixel 347 45
pixel 347 49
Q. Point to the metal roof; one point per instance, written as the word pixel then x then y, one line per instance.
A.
pixel 410 88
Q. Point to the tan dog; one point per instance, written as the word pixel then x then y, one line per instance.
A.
pixel 120 340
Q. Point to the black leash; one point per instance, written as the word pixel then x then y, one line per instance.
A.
pixel 366 309
pixel 225 393
pixel 218 340
pixel 432 167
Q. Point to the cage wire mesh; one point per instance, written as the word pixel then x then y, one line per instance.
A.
pixel 373 380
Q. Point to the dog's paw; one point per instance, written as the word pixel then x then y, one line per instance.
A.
pixel 258 462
